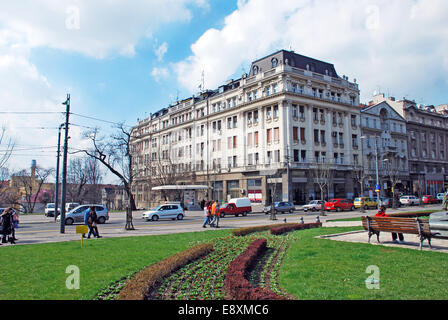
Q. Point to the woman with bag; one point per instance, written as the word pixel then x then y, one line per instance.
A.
pixel 207 213
pixel 7 226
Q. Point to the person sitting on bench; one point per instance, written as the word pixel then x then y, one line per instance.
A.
pixel 382 213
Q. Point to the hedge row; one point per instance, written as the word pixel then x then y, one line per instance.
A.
pixel 236 283
pixel 297 226
pixel 141 285
pixel 249 230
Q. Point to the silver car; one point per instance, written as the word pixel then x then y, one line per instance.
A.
pixel 171 211
pixel 76 215
pixel 314 205
pixel 281 206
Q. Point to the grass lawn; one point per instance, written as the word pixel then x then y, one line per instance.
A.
pixel 327 269
pixel 39 271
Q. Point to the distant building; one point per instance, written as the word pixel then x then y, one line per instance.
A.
pixel 427 135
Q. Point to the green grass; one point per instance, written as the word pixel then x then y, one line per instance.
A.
pixel 38 271
pixel 316 268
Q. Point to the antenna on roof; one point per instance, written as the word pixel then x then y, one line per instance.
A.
pixel 290 47
pixel 201 85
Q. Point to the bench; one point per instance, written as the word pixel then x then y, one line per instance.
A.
pixel 374 225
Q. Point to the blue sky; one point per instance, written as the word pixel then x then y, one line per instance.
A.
pixel 121 60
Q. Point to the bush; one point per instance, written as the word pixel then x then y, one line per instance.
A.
pixel 297 226
pixel 249 230
pixel 236 283
pixel 145 281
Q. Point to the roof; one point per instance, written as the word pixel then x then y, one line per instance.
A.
pixel 295 60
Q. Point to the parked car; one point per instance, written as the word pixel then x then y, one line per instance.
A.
pixel 409 200
pixel 387 202
pixel 281 206
pixel 440 197
pixel 313 205
pixel 236 207
pixel 429 199
pixel 49 210
pixel 171 211
pixel 339 204
pixel 71 205
pixel 366 202
pixel 76 215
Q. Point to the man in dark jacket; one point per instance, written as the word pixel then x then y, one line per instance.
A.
pixel 89 219
pixel 7 224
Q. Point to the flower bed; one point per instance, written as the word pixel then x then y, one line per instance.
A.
pixel 141 285
pixel 298 226
pixel 236 283
pixel 249 230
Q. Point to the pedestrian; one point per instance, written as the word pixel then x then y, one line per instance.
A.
pixel 382 213
pixel 7 225
pixel 203 204
pixel 94 221
pixel 217 214
pixel 88 220
pixel 212 211
pixel 15 219
pixel 207 213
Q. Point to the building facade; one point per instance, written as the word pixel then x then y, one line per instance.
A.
pixel 268 135
pixel 384 140
pixel 427 139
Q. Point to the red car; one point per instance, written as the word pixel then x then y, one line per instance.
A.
pixel 428 199
pixel 339 205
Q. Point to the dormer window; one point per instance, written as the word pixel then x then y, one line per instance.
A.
pixel 255 70
pixel 274 62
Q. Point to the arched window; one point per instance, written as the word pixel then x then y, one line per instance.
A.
pixel 274 62
pixel 255 70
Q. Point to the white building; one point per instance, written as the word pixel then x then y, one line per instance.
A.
pixel 262 132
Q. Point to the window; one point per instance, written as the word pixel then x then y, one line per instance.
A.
pixel 316 136
pixel 277 156
pixel 268 135
pixel 234 142
pixel 274 62
pixel 229 142
pixel 295 111
pixel 235 121
pixel 249 159
pixel 275 111
pixel 302 112
pixel 268 90
pixel 249 139
pixel 322 136
pixel 303 155
pixel 249 117
pixel 274 88
pixel 355 141
pixel 295 134
pixel 229 123
pixel 268 112
pixel 276 134
pixel 255 70
pixel 256 116
pixel 302 134
pixel 269 156
pixel 256 138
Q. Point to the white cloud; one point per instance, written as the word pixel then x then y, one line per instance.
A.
pixel 400 45
pixel 94 28
pixel 159 73
pixel 97 29
pixel 161 50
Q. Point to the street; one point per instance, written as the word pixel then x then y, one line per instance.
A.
pixel 41 229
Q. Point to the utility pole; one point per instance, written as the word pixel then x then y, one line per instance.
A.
pixel 64 164
pixel 56 196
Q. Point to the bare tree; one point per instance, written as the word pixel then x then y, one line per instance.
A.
pixel 6 146
pixel 392 170
pixel 83 177
pixel 115 154
pixel 31 186
pixel 322 172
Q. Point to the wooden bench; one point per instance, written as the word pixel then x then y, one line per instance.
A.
pixel 374 225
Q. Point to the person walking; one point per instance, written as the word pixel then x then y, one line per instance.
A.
pixel 212 212
pixel 15 220
pixel 217 214
pixel 7 224
pixel 207 213
pixel 94 221
pixel 88 220
pixel 382 213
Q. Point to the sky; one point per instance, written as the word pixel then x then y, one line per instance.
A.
pixel 120 60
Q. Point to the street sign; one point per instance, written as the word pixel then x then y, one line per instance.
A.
pixel 82 230
pixel 377 188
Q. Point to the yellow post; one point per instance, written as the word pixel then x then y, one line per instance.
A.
pixel 82 230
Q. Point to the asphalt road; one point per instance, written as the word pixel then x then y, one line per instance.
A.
pixel 40 229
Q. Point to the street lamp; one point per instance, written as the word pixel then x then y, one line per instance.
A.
pixel 56 196
pixel 376 167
